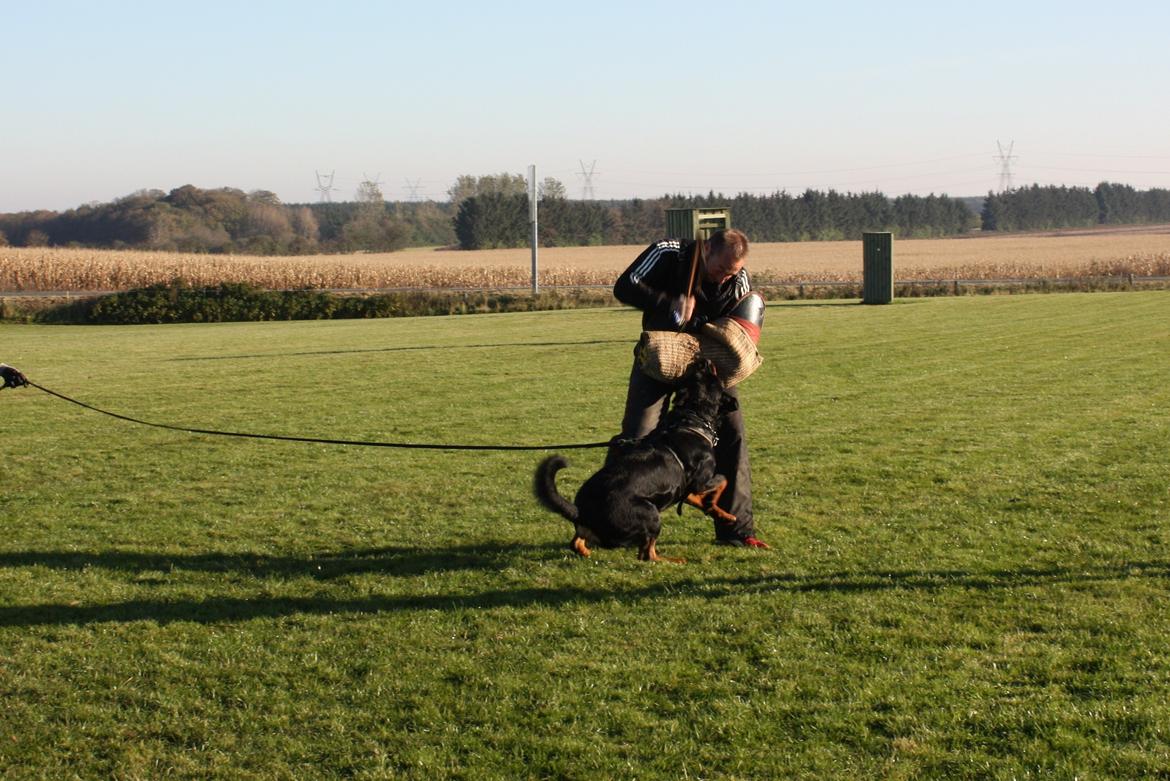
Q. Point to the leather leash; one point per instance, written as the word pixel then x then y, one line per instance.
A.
pixel 360 443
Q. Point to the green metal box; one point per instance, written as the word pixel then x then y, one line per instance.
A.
pixel 689 223
pixel 877 273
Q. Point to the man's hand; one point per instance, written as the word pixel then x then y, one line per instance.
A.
pixel 12 377
pixel 682 309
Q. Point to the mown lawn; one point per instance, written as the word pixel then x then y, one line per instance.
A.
pixel 968 501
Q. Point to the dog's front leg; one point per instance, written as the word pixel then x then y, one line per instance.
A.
pixel 707 501
pixel 579 547
pixel 649 552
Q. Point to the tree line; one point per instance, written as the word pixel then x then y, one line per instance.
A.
pixel 1051 207
pixel 499 219
pixel 227 220
pixel 492 211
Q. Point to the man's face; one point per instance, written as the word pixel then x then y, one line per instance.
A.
pixel 721 266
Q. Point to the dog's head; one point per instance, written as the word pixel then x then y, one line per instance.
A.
pixel 701 391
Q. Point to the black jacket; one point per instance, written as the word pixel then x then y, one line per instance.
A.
pixel 659 275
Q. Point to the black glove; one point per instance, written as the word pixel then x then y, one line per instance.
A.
pixel 12 377
pixel 695 324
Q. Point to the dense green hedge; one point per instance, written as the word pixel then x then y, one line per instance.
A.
pixel 181 303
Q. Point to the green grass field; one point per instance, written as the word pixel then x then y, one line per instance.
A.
pixel 968 501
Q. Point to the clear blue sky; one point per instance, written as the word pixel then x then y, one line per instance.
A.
pixel 102 99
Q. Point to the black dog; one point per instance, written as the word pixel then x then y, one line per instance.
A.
pixel 620 505
pixel 11 376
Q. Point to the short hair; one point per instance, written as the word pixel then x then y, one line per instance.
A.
pixel 732 239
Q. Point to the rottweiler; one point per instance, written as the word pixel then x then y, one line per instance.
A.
pixel 621 504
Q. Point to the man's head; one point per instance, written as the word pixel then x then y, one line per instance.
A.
pixel 726 252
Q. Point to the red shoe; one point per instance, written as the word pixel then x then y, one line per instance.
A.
pixel 741 541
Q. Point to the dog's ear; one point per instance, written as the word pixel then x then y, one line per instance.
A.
pixel 728 404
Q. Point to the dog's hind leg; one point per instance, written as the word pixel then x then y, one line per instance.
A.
pixel 649 552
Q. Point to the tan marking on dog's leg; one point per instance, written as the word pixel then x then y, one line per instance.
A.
pixel 709 500
pixel 707 503
pixel 712 496
pixel 579 547
pixel 649 552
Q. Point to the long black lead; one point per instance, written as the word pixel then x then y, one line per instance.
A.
pixel 359 443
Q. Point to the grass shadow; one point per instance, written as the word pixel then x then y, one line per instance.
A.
pixel 400 561
pixel 937 580
pixel 393 561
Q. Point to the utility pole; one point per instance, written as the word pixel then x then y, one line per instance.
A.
pixel 413 186
pixel 532 220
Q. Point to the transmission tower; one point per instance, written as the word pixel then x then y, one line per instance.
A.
pixel 370 190
pixel 414 186
pixel 1005 158
pixel 325 186
pixel 587 176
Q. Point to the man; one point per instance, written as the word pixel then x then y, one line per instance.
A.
pixel 657 282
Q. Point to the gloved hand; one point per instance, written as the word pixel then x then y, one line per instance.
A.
pixel 681 308
pixel 695 324
pixel 12 377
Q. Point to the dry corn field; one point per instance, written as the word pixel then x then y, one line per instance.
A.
pixel 1143 252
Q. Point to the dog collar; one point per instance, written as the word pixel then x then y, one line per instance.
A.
pixel 670 450
pixel 704 432
pixel 685 420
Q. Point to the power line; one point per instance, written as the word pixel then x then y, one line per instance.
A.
pixel 883 177
pixel 1095 170
pixel 721 178
pixel 874 181
pixel 773 174
pixel 1099 154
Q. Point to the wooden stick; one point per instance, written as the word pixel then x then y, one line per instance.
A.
pixel 695 262
pixel 694 269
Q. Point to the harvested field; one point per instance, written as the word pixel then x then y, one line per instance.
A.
pixel 842 259
pixel 1143 251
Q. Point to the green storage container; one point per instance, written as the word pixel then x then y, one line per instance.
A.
pixel 877 272
pixel 688 223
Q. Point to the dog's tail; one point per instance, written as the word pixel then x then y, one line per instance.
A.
pixel 545 486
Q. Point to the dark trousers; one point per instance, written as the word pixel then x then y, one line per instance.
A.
pixel 645 403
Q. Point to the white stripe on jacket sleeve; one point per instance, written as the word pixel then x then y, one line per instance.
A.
pixel 646 265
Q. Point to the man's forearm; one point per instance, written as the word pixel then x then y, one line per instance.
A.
pixel 638 294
